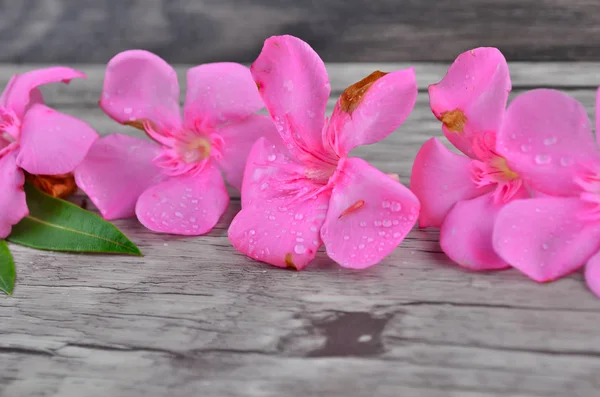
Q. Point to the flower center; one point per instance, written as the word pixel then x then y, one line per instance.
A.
pixel 196 150
pixel 492 169
pixel 185 151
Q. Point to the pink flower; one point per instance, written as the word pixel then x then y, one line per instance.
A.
pixel 463 195
pixel 310 192
pixel 549 138
pixel 36 139
pixel 173 185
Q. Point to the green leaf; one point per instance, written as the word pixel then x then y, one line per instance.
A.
pixel 57 225
pixel 7 269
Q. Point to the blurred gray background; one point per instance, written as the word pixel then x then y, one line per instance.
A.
pixel 196 31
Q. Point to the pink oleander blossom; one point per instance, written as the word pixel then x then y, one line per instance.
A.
pixel 463 195
pixel 548 140
pixel 174 184
pixel 310 192
pixel 36 139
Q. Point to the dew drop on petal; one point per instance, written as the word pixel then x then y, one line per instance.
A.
pixel 298 217
pixel 385 204
pixel 543 159
pixel 396 206
pixel 299 249
pixel 346 238
pixel 566 161
pixel 545 247
pixel 525 148
pixel 550 141
pixel 387 223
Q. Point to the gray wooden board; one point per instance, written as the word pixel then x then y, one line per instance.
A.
pixel 342 30
pixel 194 317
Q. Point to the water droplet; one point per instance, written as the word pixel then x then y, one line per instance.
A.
pixel 550 141
pixel 543 159
pixel 272 157
pixel 377 223
pixel 387 223
pixel 346 238
pixel 566 161
pixel 299 239
pixel 381 233
pixel 271 217
pixel 545 246
pixel 385 204
pixel 299 249
pixel 128 110
pixel 179 214
pixel 252 232
pixel 264 186
pixel 397 234
pixel 313 228
pixel 525 148
pixel 361 246
pixel 396 206
pixel 299 217
pixel 363 224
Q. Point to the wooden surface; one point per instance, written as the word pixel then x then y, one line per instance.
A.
pixel 195 318
pixel 197 31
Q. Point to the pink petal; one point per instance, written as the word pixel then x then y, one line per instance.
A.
pixel 598 116
pixel 545 238
pixel 544 134
pixel 466 235
pixel 293 82
pixel 140 86
pixel 238 139
pixel 272 226
pixel 592 274
pixel 188 205
pixel 371 109
pixel 52 142
pixel 369 215
pixel 116 171
pixel 13 206
pixel 476 87
pixel 440 179
pixel 21 88
pixel 220 92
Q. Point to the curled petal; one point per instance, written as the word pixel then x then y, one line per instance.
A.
pixel 471 98
pixel 116 171
pixel 369 215
pixel 592 274
pixel 13 206
pixel 186 205
pixel 22 89
pixel 294 85
pixel 220 92
pixel 544 136
pixel 140 86
pixel 545 238
pixel 371 109
pixel 53 143
pixel 275 226
pixel 440 179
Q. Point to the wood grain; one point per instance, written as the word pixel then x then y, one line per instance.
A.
pixel 194 317
pixel 198 31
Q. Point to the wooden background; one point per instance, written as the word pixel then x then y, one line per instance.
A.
pixel 197 31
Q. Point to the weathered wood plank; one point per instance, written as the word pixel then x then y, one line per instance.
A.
pixel 194 317
pixel 196 31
